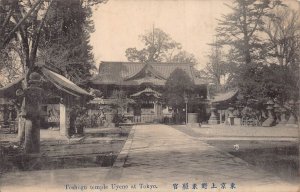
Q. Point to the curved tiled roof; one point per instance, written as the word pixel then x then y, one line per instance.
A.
pixel 123 73
pixel 63 83
pixel 10 89
pixel 223 97
pixel 148 91
pixel 56 79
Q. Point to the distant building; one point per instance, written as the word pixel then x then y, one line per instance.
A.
pixel 145 83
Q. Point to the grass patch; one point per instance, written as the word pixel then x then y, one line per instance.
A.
pixel 278 157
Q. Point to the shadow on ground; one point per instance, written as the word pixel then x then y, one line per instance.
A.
pixel 98 148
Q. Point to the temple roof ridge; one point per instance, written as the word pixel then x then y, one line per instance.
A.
pixel 127 73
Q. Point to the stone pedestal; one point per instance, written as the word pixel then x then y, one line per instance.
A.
pixel 230 117
pixel 292 121
pixel 192 117
pixel 283 120
pixel 270 121
pixel 277 112
pixel 213 119
pixel 237 121
pixel 192 120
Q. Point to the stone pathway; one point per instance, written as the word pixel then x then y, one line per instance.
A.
pixel 155 158
pixel 162 155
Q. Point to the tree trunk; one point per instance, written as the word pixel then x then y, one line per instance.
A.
pixel 246 48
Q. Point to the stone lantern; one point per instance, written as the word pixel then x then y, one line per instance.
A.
pixel 230 115
pixel 282 116
pixel 292 121
pixel 270 120
pixel 31 113
pixel 213 119
pixel 277 112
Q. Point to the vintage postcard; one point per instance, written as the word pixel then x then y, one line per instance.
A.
pixel 149 95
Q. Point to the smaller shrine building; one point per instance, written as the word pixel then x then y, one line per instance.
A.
pixel 59 95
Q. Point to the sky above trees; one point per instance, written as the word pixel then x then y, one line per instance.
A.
pixel 118 24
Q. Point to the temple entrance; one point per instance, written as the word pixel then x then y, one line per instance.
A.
pixel 148 108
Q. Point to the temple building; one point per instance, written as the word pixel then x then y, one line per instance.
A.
pixel 144 83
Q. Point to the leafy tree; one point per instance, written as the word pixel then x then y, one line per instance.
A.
pixel 159 47
pixel 25 30
pixel 259 35
pixel 65 42
pixel 177 85
pixel 54 25
pixel 240 29
pixel 121 101
pixel 11 67
pixel 23 22
pixel 261 82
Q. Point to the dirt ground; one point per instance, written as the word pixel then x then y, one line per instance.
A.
pixel 97 148
pixel 273 149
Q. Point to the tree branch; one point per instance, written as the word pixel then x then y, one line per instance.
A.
pixel 10 35
pixel 7 18
pixel 37 36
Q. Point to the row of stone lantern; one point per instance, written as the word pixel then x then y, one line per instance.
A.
pixel 277 114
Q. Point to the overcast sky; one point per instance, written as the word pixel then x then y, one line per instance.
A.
pixel 118 24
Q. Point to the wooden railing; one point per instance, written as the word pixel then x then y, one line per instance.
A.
pixel 146 118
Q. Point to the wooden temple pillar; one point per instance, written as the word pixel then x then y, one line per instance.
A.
pixel 157 111
pixel 64 119
pixel 221 116
pixel 1 113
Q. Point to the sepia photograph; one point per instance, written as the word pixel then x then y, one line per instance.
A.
pixel 149 95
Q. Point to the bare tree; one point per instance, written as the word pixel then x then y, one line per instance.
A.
pixel 159 46
pixel 11 65
pixel 22 22
pixel 183 57
pixel 215 66
pixel 283 32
